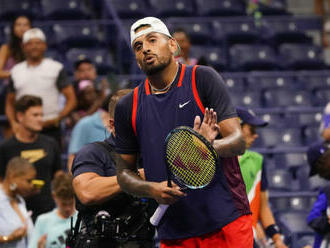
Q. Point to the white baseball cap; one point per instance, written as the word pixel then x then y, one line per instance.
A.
pixel 33 33
pixel 155 25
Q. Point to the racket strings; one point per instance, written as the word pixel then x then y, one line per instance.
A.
pixel 190 160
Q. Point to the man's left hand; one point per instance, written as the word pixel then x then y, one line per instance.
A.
pixel 209 127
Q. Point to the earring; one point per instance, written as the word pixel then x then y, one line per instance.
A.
pixel 13 186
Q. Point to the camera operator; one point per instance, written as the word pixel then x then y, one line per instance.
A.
pixel 109 217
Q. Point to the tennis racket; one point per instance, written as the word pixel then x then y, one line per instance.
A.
pixel 191 163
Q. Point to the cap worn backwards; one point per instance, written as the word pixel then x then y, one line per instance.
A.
pixel 33 33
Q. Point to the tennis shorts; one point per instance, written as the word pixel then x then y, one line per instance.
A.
pixel 237 234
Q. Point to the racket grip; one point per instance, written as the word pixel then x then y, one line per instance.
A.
pixel 158 214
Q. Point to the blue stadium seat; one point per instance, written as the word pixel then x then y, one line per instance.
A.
pixel 102 58
pixel 235 81
pixel 273 119
pixel 173 8
pixel 129 8
pixel 289 160
pixel 249 99
pixel 301 57
pixel 252 57
pixel 82 35
pixel 55 55
pixel 221 7
pixel 293 224
pixel 276 137
pixel 278 31
pixel 214 56
pixel 199 32
pixel 13 8
pixel 322 97
pixel 274 7
pixel 236 31
pixel 311 134
pixel 303 119
pixel 64 9
pixel 271 80
pixel 279 180
pixel 312 80
pixel 304 241
pixel 285 98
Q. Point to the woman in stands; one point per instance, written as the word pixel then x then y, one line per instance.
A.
pixel 15 222
pixel 12 53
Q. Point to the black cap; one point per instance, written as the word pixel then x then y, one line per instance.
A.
pixel 314 152
pixel 249 117
pixel 80 61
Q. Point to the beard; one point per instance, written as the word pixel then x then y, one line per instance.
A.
pixel 152 69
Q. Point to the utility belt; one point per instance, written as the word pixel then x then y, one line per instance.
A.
pixel 104 230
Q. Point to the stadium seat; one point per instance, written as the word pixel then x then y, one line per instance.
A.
pixel 64 9
pixel 100 57
pixel 303 119
pixel 313 80
pixel 221 7
pixel 278 31
pixel 252 57
pixel 304 241
pixel 13 8
pixel 322 97
pixel 276 137
pixel 214 56
pixel 81 36
pixel 274 7
pixel 249 99
pixel 235 81
pixel 301 57
pixel 286 97
pixel 236 31
pixel 128 8
pixel 293 224
pixel 279 180
pixel 55 55
pixel 173 8
pixel 273 119
pixel 311 134
pixel 271 80
pixel 290 160
pixel 199 32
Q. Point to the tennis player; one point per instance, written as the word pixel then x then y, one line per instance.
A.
pixel 173 95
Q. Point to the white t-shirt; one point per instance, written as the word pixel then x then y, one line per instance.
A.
pixel 45 80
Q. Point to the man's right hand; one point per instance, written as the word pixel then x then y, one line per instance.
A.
pixel 164 194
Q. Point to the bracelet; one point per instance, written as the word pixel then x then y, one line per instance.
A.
pixel 5 238
pixel 271 230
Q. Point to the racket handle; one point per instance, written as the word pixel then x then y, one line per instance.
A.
pixel 158 214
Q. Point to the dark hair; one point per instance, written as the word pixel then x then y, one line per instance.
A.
pixel 27 101
pixel 62 186
pixel 15 43
pixel 81 61
pixel 115 99
pixel 322 165
pixel 18 166
pixel 182 30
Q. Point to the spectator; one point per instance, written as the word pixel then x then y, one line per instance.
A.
pixel 12 53
pixel 51 228
pixel 42 77
pixel 183 40
pixel 254 175
pixel 89 129
pixel 85 70
pixel 325 126
pixel 86 96
pixel 40 150
pixel 15 222
pixel 318 156
pixel 320 9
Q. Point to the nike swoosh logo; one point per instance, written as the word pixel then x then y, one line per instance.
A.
pixel 184 104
